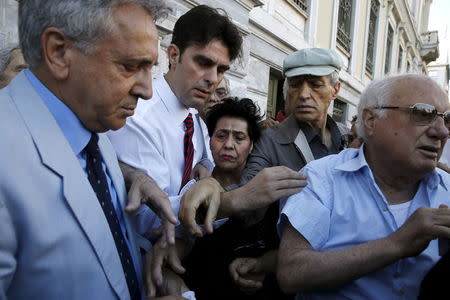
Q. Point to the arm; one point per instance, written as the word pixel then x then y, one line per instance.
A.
pixel 301 268
pixel 268 186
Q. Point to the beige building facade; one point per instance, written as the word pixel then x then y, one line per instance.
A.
pixel 373 37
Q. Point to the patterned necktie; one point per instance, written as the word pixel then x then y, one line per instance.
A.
pixel 188 149
pixel 97 178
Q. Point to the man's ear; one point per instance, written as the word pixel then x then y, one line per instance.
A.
pixel 368 120
pixel 335 89
pixel 173 53
pixel 56 48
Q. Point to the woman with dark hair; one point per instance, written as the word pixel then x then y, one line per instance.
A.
pixel 233 129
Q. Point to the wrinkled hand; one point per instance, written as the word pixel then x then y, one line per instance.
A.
pixel 247 274
pixel 173 284
pixel 155 260
pixel 143 190
pixel 206 194
pixel 267 123
pixel 423 226
pixel 268 186
pixel 199 172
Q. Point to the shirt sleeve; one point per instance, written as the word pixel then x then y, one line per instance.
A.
pixel 259 159
pixel 309 210
pixel 140 146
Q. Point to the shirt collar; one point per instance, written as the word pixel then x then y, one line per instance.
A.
pixel 431 180
pixel 76 134
pixel 288 130
pixel 173 105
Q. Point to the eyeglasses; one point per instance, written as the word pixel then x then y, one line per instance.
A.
pixel 421 113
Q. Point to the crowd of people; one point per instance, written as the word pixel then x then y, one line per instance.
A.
pixel 115 185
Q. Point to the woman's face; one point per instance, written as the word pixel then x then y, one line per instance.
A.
pixel 230 144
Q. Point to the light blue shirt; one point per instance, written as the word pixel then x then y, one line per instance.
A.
pixel 342 206
pixel 78 137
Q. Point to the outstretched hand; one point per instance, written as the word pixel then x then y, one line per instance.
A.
pixel 204 194
pixel 143 190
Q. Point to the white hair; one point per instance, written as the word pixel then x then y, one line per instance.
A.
pixel 379 93
pixel 85 22
pixel 5 56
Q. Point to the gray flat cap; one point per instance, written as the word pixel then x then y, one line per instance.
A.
pixel 312 61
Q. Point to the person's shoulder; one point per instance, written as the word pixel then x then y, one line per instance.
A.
pixel 332 161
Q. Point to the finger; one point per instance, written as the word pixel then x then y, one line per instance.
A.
pixel 174 261
pixel 187 218
pixel 248 266
pixel 169 232
pixel 157 264
pixel 233 269
pixel 211 212
pixel 164 210
pixel 278 194
pixel 443 206
pixel 157 231
pixel 134 199
pixel 249 283
pixel 151 289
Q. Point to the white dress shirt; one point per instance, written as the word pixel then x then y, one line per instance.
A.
pixel 152 139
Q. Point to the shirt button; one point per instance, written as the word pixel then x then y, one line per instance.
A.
pixel 396 274
pixel 401 291
pixel 385 209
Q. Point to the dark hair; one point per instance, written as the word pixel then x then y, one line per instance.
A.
pixel 238 108
pixel 201 25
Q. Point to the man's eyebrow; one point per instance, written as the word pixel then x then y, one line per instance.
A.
pixel 204 59
pixel 138 61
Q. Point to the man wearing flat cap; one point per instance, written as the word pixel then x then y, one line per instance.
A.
pixel 312 82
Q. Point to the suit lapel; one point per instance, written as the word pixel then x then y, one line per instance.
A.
pixel 110 159
pixel 58 156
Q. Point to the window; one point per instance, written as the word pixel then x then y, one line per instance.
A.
pixel 339 111
pixel 400 59
pixel 344 24
pixel 302 4
pixel 370 58
pixel 275 101
pixel 387 62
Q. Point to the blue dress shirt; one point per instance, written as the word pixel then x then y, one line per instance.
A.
pixel 78 137
pixel 342 206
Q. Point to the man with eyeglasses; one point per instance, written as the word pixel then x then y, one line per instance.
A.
pixel 366 225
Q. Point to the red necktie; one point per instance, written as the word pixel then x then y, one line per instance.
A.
pixel 188 149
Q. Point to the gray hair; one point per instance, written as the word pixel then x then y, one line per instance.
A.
pixel 5 56
pixel 85 22
pixel 380 93
pixel 334 78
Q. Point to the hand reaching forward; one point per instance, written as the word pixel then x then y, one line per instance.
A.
pixel 155 261
pixel 204 194
pixel 423 226
pixel 143 190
